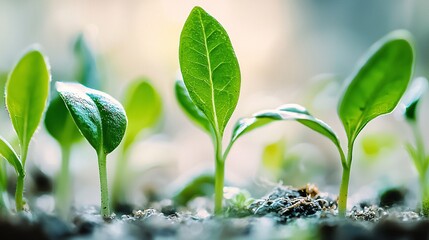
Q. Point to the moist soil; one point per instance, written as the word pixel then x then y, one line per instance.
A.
pixel 285 213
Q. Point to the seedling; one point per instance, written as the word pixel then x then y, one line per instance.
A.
pixel 27 91
pixel 61 127
pixel 101 120
pixel 418 152
pixel 212 76
pixel 143 106
pixel 212 82
pixel 375 88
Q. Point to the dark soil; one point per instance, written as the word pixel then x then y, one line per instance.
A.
pixel 285 213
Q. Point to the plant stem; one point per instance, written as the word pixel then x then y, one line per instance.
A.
pixel 219 176
pixel 19 193
pixel 105 205
pixel 425 195
pixel 121 165
pixel 344 188
pixel 63 188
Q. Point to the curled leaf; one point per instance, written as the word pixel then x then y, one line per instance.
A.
pixel 100 118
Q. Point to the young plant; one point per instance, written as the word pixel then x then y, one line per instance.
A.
pixel 26 95
pixel 143 106
pixel 212 76
pixel 101 120
pixel 375 88
pixel 61 127
pixel 418 152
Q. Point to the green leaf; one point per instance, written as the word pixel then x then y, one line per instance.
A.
pixel 60 124
pixel 201 185
pixel 285 112
pixel 86 72
pixel 27 92
pixel 378 84
pixel 191 110
pixel 209 68
pixel 7 152
pixel 100 118
pixel 412 97
pixel 143 106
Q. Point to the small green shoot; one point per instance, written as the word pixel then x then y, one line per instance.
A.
pixel 375 89
pixel 61 127
pixel 418 152
pixel 101 120
pixel 211 75
pixel 143 106
pixel 26 95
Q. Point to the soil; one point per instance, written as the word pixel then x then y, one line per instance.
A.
pixel 285 213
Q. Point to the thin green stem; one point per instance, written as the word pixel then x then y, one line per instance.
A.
pixel 63 188
pixel 102 169
pixel 424 195
pixel 219 175
pixel 118 188
pixel 344 187
pixel 19 193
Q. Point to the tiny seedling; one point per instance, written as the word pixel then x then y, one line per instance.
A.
pixel 61 127
pixel 418 152
pixel 143 106
pixel 26 96
pixel 375 88
pixel 211 85
pixel 211 77
pixel 101 120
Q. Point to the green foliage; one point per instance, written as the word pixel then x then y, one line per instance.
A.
pixel 86 69
pixel 375 89
pixel 212 78
pixel 60 124
pixel 287 112
pixel 417 151
pixel 202 185
pixel 209 67
pixel 102 121
pixel 100 118
pixel 7 152
pixel 143 106
pixel 377 86
pixel 191 110
pixel 27 92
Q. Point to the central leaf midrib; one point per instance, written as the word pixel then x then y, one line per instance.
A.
pixel 210 75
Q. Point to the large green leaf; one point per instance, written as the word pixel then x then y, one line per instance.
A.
pixel 143 106
pixel 185 101
pixel 378 84
pixel 100 118
pixel 60 124
pixel 27 90
pixel 209 68
pixel 412 97
pixel 7 152
pixel 86 70
pixel 287 112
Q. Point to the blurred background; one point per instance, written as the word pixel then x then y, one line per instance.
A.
pixel 289 52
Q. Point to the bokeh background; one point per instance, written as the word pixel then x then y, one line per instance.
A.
pixel 289 52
